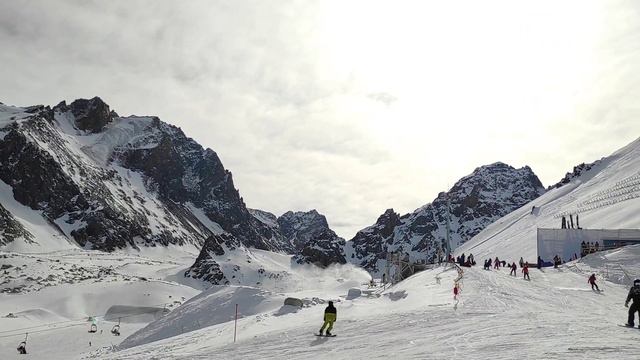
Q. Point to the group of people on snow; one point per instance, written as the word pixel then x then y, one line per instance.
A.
pixel 497 263
pixel 467 261
pixel 589 248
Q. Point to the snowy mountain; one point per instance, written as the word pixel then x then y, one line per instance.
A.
pixel 604 194
pixel 81 174
pixel 474 202
pixel 322 249
pixel 307 233
pixel 299 227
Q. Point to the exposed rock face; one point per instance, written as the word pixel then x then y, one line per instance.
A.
pixel 299 227
pixel 110 182
pixel 322 249
pixel 370 243
pixel 10 228
pixel 90 115
pixel 206 267
pixel 306 234
pixel 577 171
pixel 475 201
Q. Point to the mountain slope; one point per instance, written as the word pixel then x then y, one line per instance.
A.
pixel 605 194
pixel 107 182
pixel 474 202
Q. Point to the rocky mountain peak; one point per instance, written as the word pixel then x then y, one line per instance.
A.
pixel 387 222
pixel 475 201
pixel 91 115
pixel 298 227
pixel 141 182
pixel 322 249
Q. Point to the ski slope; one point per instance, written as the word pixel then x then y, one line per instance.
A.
pixel 554 316
pixel 605 197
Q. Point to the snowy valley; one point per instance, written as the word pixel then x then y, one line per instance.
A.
pixel 126 222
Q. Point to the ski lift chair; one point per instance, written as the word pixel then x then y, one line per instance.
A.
pixel 116 330
pixel 93 329
pixel 22 348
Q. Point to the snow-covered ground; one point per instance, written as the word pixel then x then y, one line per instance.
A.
pixel 556 315
pixel 605 197
pixel 52 295
pixel 553 316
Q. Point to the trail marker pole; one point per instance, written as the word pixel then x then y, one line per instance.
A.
pixel 235 327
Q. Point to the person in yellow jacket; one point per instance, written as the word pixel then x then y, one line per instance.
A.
pixel 329 318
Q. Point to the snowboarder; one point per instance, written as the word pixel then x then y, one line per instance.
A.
pixel 634 294
pixel 514 268
pixel 592 281
pixel 496 263
pixel 525 271
pixel 455 291
pixel 22 348
pixel 329 318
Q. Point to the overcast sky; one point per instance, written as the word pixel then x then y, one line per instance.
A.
pixel 348 107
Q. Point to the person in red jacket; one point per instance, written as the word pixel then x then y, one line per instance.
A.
pixel 525 271
pixel 592 281
pixel 456 290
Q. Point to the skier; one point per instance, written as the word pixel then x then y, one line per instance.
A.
pixel 329 318
pixel 455 291
pixel 592 281
pixel 634 293
pixel 525 271
pixel 496 263
pixel 513 268
pixel 521 261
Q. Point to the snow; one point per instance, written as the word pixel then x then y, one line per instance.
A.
pixel 56 316
pixel 120 132
pixel 213 226
pixel 11 114
pixel 553 316
pixel 605 197
pixel 48 238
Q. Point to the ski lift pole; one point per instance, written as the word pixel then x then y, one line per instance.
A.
pixel 235 328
